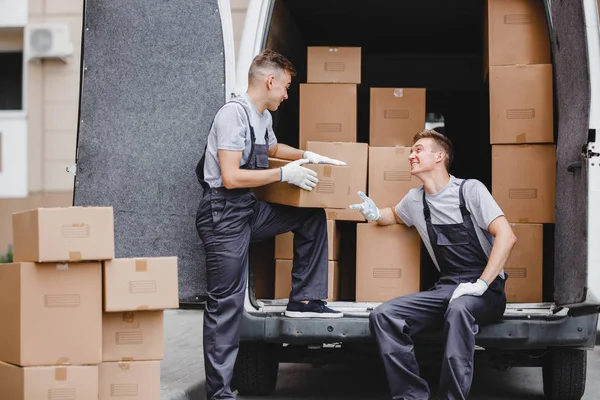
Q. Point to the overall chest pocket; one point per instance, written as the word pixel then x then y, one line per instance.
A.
pixel 261 156
pixel 452 238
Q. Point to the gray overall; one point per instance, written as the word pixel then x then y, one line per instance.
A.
pixel 227 221
pixel 461 259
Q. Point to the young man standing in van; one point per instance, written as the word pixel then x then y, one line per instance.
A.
pixel 469 240
pixel 229 216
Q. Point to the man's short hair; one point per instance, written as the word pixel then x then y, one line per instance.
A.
pixel 270 62
pixel 441 143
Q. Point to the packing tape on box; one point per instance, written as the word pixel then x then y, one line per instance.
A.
pixel 400 150
pixel 62 266
pixel 124 365
pixel 398 92
pixel 127 359
pixel 62 361
pixel 60 373
pixel 144 307
pixel 521 138
pixel 75 256
pixel 141 265
pixel 327 171
pixel 128 316
pixel 523 220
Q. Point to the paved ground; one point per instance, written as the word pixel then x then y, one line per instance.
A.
pixel 183 374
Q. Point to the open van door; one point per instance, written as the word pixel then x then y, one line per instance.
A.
pixel 153 75
pixel 575 41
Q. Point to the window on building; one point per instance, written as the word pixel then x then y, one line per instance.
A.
pixel 11 81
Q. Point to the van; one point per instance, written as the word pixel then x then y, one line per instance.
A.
pixel 150 88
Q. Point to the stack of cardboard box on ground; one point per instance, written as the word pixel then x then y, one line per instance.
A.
pixel 519 70
pixel 58 340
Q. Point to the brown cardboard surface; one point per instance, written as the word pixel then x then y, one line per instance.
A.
pixel 135 284
pixel 137 380
pixel 389 175
pixel 397 115
pixel 387 261
pixel 524 265
pixel 64 234
pixel 327 112
pixel 521 104
pixel 51 313
pixel 283 279
pixel 356 155
pixel 133 336
pixel 331 191
pixel 333 64
pixel 284 244
pixel 340 214
pixel 524 181
pixel 517 33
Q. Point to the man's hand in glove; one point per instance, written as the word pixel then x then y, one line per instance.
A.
pixel 296 174
pixel 470 289
pixel 368 209
pixel 315 158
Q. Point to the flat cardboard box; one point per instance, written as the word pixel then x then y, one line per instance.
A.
pixel 521 104
pixel 397 115
pixel 64 234
pixel 284 244
pixel 516 32
pixel 48 383
pixel 327 112
pixel 331 191
pixel 389 175
pixel 51 313
pixel 356 155
pixel 524 182
pixel 136 380
pixel 340 214
pixel 333 64
pixel 387 262
pixel 524 266
pixel 133 336
pixel 283 279
pixel 135 284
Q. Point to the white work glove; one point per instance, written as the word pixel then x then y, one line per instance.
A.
pixel 315 158
pixel 296 174
pixel 470 289
pixel 368 209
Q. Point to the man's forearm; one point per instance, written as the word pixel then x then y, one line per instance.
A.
pixel 285 152
pixel 503 245
pixel 244 178
pixel 387 217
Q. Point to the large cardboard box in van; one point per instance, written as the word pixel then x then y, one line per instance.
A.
pixel 135 284
pixel 72 382
pixel 284 244
pixel 51 313
pixel 397 115
pixel 331 191
pixel 136 380
pixel 333 64
pixel 133 336
pixel 283 279
pixel 521 104
pixel 388 261
pixel 64 234
pixel 524 182
pixel 327 112
pixel 525 265
pixel 516 32
pixel 389 175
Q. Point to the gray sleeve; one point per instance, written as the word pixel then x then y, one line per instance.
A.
pixel 481 204
pixel 230 128
pixel 403 210
pixel 272 138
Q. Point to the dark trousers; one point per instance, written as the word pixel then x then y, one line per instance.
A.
pixel 227 223
pixel 393 323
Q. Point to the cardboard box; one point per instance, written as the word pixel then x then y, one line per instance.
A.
pixel 137 380
pixel 133 336
pixel 524 182
pixel 51 313
pixel 525 266
pixel 134 284
pixel 283 279
pixel 333 64
pixel 521 104
pixel 48 383
pixel 64 234
pixel 327 112
pixel 387 262
pixel 516 32
pixel 356 155
pixel 346 214
pixel 389 175
pixel 331 191
pixel 397 115
pixel 284 244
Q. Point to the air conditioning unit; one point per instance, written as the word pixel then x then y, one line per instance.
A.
pixel 48 40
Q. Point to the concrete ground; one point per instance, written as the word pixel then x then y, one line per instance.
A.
pixel 183 373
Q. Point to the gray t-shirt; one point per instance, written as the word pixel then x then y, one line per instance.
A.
pixel 445 209
pixel 230 131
